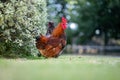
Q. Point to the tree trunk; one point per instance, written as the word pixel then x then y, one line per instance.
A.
pixel 106 39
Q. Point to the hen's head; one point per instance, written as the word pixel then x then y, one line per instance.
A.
pixel 64 23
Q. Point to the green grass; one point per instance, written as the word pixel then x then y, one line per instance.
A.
pixel 62 68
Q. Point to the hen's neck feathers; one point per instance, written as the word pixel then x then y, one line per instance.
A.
pixel 58 31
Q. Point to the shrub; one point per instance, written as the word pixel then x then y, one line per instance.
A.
pixel 20 22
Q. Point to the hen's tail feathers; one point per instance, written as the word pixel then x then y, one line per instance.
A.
pixel 50 28
pixel 50 24
pixel 38 37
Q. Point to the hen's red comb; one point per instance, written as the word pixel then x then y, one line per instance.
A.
pixel 64 23
pixel 64 20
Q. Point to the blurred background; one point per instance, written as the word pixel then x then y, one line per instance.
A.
pixel 93 25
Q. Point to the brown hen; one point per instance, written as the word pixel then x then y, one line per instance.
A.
pixel 52 45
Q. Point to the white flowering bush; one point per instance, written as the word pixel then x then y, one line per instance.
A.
pixel 20 22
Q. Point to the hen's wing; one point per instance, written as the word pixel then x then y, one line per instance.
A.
pixel 41 41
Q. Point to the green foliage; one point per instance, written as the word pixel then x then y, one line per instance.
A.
pixel 20 22
pixel 101 14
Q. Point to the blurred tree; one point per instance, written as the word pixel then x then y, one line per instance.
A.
pixel 97 14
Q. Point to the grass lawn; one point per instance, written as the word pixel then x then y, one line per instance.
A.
pixel 65 67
